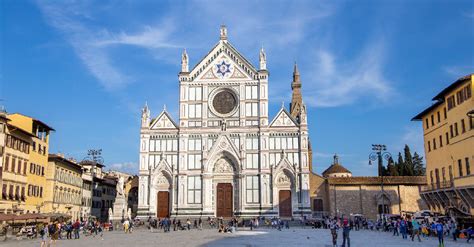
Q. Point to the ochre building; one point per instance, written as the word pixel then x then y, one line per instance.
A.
pixel 448 132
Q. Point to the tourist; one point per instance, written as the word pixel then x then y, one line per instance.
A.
pixel 69 230
pixel 44 235
pixel 415 230
pixel 54 233
pixel 395 225
pixel 455 229
pixel 76 226
pixel 439 232
pixel 126 225
pixel 469 233
pixel 200 224
pixel 334 227
pixel 345 233
pixel 188 224
pixel 403 228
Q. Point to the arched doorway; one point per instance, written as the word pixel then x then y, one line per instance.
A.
pixel 224 184
pixel 162 186
pixel 285 187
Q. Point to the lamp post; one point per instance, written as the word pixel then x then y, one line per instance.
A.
pixel 94 157
pixel 379 154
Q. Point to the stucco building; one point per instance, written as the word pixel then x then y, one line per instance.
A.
pixel 448 133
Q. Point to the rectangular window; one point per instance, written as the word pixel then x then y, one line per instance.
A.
pixel 468 166
pixel 429 146
pixel 251 143
pixel 432 120
pixel 463 126
pixel 252 189
pixel 194 189
pixel 195 93
pixel 194 144
pixel 251 109
pixel 4 191
pixel 194 161
pixel 13 164
pixel 451 102
pixel 451 130
pixel 434 143
pixel 460 167
pixel 426 123
pixel 445 113
pixel 25 164
pixel 447 138
pixel 195 111
pixel 251 92
pixel 5 166
pixel 440 140
pixel 439 117
pixel 251 161
pixel 456 129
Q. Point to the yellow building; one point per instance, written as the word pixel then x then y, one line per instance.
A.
pixel 448 131
pixel 14 170
pixel 64 178
pixel 38 159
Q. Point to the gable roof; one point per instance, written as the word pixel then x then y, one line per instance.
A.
pixel 166 116
pixel 283 111
pixel 223 46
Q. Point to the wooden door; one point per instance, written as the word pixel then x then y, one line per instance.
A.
pixel 285 203
pixel 163 201
pixel 224 200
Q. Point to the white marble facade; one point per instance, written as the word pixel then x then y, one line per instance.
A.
pixel 223 136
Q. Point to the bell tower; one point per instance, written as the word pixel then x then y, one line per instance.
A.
pixel 296 98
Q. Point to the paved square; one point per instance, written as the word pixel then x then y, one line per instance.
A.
pixel 262 237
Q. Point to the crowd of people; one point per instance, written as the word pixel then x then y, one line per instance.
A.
pixel 407 227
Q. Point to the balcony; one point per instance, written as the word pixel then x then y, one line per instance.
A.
pixel 438 186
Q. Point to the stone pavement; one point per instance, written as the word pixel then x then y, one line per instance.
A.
pixel 262 237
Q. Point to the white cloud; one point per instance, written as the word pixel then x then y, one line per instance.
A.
pixel 129 167
pixel 459 70
pixel 413 137
pixel 345 82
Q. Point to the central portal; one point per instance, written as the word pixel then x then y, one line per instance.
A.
pixel 285 203
pixel 163 204
pixel 224 200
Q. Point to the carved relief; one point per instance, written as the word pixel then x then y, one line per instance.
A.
pixel 223 166
pixel 283 179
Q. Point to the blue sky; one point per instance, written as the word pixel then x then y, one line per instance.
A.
pixel 367 67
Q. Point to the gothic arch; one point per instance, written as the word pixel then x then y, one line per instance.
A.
pixel 223 155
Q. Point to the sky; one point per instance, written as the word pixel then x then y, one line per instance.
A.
pixel 86 68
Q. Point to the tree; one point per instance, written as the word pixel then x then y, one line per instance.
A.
pixel 392 168
pixel 419 169
pixel 408 162
pixel 400 165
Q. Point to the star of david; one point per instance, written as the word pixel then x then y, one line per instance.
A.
pixel 223 68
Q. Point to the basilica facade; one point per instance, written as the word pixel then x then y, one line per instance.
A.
pixel 225 156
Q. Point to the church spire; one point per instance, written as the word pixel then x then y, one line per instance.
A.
pixel 296 98
pixel 184 62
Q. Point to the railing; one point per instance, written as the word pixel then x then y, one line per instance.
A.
pixel 438 186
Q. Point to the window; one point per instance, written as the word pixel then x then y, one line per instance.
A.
pixel 251 143
pixel 451 130
pixel 460 167
pixel 450 173
pixel 440 140
pixel 251 161
pixel 439 117
pixel 13 164
pixel 456 129
pixel 468 166
pixel 194 161
pixel 251 109
pixel 447 138
pixel 251 92
pixel 252 189
pixel 25 164
pixel 451 102
pixel 429 146
pixel 434 143
pixel 437 177
pixel 463 126
pixel 5 166
pixel 432 120
pixel 443 173
pixel 195 93
pixel 4 191
pixel 194 189
pixel 195 110
pixel 194 144
pixel 445 113
pixel 426 123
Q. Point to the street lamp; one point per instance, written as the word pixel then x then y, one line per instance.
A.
pixel 380 154
pixel 94 157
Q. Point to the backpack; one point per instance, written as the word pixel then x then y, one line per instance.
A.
pixel 41 232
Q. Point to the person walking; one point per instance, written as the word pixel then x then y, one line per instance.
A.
pixel 76 227
pixel 334 227
pixel 345 234
pixel 416 230
pixel 440 231
pixel 395 226
pixel 200 224
pixel 403 228
pixel 44 235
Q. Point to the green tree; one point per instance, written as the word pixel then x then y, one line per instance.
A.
pixel 409 167
pixel 419 169
pixel 392 168
pixel 400 165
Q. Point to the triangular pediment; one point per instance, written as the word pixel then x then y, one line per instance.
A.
pixel 283 119
pixel 163 121
pixel 223 144
pixel 223 62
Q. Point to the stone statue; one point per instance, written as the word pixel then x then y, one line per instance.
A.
pixel 263 60
pixel 120 185
pixel 223 32
pixel 145 115
pixel 111 213
pixel 184 62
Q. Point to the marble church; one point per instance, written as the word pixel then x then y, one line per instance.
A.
pixel 225 156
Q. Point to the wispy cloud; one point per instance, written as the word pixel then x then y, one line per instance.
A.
pixel 92 42
pixel 129 167
pixel 345 82
pixel 411 136
pixel 459 70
